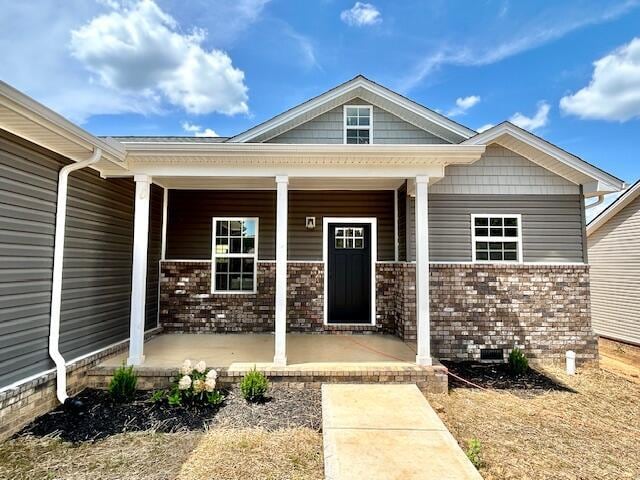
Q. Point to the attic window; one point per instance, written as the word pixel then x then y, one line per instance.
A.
pixel 357 124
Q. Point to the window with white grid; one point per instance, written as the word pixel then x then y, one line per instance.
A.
pixel 358 120
pixel 235 254
pixel 496 238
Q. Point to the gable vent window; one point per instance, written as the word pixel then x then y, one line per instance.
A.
pixel 358 120
pixel 496 238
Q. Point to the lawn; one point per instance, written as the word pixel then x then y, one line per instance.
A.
pixel 591 432
pixel 219 453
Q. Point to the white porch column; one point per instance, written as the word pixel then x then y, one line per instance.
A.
pixel 423 356
pixel 280 357
pixel 139 275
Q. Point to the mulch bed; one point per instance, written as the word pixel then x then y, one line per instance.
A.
pixel 100 417
pixel 497 376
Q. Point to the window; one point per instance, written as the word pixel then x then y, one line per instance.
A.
pixel 235 254
pixel 496 238
pixel 357 124
pixel 349 237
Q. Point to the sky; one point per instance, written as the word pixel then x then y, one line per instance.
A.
pixel 567 71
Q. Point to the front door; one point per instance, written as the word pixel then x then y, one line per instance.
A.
pixel 349 265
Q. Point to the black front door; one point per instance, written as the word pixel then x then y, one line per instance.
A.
pixel 349 281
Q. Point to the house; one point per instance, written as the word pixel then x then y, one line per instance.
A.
pixel 613 238
pixel 358 211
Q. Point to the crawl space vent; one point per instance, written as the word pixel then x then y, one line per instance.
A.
pixel 491 354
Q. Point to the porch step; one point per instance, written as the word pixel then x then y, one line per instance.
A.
pixel 432 379
pixel 387 432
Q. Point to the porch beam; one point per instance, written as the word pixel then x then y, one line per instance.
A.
pixel 139 269
pixel 423 356
pixel 282 185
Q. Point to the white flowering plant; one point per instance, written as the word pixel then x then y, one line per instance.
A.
pixel 195 384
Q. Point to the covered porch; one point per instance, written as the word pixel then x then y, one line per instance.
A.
pixel 283 251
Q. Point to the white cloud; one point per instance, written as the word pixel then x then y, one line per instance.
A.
pixel 546 27
pixel 614 90
pixel 198 131
pixel 485 127
pixel 140 50
pixel 361 14
pixel 539 119
pixel 463 104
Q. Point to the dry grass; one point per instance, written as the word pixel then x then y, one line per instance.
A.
pixel 591 434
pixel 217 454
pixel 256 454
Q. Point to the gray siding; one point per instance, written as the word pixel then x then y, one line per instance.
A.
pixel 505 172
pixel 153 256
pixel 552 226
pixel 328 128
pixel 97 268
pixel 307 244
pixel 403 203
pixel 189 226
pixel 614 256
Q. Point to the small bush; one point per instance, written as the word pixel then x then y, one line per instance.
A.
pixel 474 452
pixel 122 387
pixel 254 386
pixel 158 396
pixel 518 363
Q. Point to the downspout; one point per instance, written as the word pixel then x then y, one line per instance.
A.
pixel 596 203
pixel 58 259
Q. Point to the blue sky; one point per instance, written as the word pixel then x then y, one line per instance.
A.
pixel 177 67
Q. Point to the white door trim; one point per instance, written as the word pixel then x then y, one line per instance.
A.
pixel 373 221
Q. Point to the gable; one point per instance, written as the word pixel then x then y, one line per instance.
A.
pixel 328 128
pixel 502 171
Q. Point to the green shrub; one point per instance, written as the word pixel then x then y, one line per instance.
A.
pixel 158 396
pixel 474 452
pixel 194 384
pixel 122 387
pixel 518 363
pixel 254 386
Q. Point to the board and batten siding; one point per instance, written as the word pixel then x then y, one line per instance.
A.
pixel 329 128
pixel 552 225
pixel 96 290
pixel 189 227
pixel 614 256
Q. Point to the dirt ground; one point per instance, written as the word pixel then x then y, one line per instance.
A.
pixel 620 358
pixel 589 432
pixel 223 454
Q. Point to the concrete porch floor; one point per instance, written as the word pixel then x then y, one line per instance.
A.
pixel 304 351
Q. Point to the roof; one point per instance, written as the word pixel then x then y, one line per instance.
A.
pixel 594 180
pixel 608 213
pixel 167 139
pixel 358 87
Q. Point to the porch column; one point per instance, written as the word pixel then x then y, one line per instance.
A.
pixel 139 269
pixel 423 356
pixel 280 357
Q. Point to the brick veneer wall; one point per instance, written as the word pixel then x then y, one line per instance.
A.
pixel 543 309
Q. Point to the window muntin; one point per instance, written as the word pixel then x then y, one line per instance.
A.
pixel 235 255
pixel 357 124
pixel 349 237
pixel 496 238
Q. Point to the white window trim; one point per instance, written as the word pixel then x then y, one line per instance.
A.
pixel 373 221
pixel 353 127
pixel 234 255
pixel 518 239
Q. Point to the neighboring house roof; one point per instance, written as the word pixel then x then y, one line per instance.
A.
pixel 26 118
pixel 608 213
pixel 595 181
pixel 358 87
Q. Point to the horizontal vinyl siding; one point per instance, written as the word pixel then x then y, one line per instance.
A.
pixel 614 256
pixel 189 226
pixel 190 214
pixel 552 227
pixel 97 268
pixel 329 128
pixel 307 244
pixel 153 256
pixel 505 172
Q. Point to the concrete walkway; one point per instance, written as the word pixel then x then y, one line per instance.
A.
pixel 387 432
